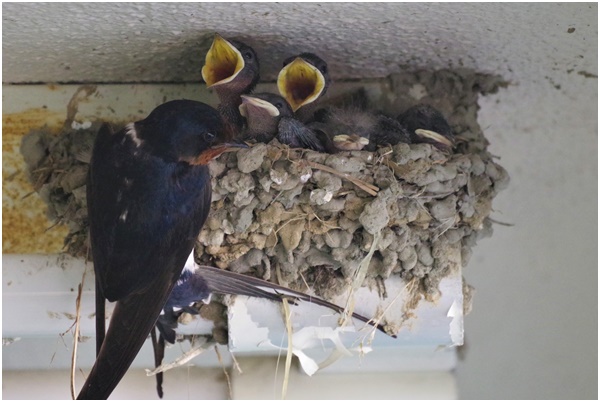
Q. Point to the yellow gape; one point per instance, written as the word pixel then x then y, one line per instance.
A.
pixel 223 62
pixel 300 83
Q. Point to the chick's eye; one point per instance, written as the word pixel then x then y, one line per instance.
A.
pixel 249 55
pixel 323 69
pixel 209 137
pixel 278 105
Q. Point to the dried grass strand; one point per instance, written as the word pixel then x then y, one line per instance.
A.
pixel 288 358
pixel 76 335
pixel 367 187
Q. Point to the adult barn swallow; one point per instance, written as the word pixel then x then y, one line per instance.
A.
pixel 427 124
pixel 270 115
pixel 148 195
pixel 232 69
pixel 302 80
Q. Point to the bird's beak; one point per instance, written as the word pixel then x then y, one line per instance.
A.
pixel 351 142
pixel 223 62
pixel 249 102
pixel 437 137
pixel 215 151
pixel 300 83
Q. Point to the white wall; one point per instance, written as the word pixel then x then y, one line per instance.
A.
pixel 533 330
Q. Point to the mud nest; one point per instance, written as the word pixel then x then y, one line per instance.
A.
pixel 302 218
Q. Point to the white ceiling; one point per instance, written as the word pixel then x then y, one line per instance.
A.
pixel 166 42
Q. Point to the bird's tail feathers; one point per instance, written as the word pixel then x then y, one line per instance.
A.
pixel 132 320
pixel 100 317
pixel 227 282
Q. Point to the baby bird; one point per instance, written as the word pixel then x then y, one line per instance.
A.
pixel 427 124
pixel 269 115
pixel 263 111
pixel 302 81
pixel 232 69
pixel 352 129
pixel 343 129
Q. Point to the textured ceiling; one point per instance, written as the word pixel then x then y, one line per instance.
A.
pixel 160 42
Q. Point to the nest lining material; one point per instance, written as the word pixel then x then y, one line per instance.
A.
pixel 301 218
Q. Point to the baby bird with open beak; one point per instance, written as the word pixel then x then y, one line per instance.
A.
pixel 232 69
pixel 302 81
pixel 427 124
pixel 269 115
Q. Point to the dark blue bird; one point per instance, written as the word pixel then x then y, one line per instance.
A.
pixel 148 195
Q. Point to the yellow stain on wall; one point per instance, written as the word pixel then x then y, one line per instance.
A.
pixel 25 227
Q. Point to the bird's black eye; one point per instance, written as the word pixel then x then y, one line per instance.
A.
pixel 278 105
pixel 209 137
pixel 323 69
pixel 249 55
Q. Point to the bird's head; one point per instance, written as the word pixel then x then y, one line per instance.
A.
pixel 230 64
pixel 303 79
pixel 263 112
pixel 266 105
pixel 427 124
pixel 184 131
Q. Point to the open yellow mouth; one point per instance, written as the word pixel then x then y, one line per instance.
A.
pixel 223 62
pixel 256 102
pixel 300 83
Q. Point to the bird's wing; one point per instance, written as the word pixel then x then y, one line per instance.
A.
pixel 102 138
pixel 158 344
pixel 131 322
pixel 141 209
